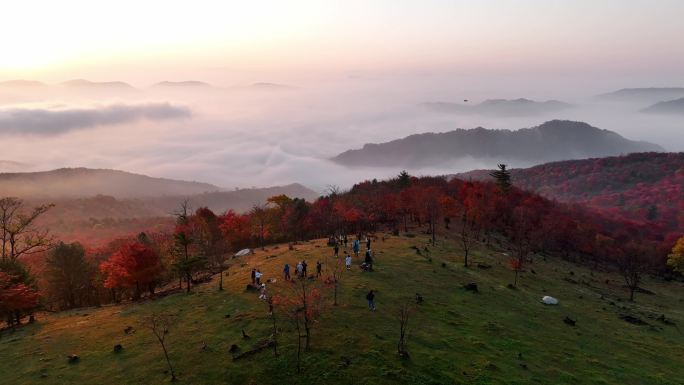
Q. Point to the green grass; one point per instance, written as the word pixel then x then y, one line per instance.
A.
pixel 498 336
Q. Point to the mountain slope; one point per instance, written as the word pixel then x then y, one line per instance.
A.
pixel 646 186
pixel 84 182
pixel 500 107
pixel 495 336
pixel 553 140
pixel 672 107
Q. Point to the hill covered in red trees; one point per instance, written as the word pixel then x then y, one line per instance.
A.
pixel 646 187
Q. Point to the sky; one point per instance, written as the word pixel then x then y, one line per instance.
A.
pixel 357 72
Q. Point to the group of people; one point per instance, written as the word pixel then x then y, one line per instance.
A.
pixel 301 266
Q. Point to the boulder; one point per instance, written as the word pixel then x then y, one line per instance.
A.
pixel 548 300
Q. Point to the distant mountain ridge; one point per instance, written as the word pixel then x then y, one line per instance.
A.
pixel 550 141
pixel 646 94
pixel 83 83
pixel 181 84
pixel 500 107
pixel 671 107
pixel 84 182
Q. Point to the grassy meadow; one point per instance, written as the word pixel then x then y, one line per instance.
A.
pixel 496 336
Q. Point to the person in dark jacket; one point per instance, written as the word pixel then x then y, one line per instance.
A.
pixel 336 250
pixel 371 300
pixel 319 267
pixel 286 272
pixel 304 268
pixel 368 242
pixel 253 276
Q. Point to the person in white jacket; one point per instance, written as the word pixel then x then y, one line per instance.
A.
pixel 348 261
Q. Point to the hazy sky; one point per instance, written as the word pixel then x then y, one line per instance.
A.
pixel 359 69
pixel 137 40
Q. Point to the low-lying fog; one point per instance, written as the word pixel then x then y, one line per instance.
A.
pixel 265 135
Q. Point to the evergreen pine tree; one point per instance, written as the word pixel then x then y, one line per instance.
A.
pixel 502 177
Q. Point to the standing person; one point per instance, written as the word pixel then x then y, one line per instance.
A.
pixel 336 250
pixel 299 269
pixel 348 261
pixel 371 300
pixel 368 242
pixel 253 276
pixel 319 267
pixel 258 275
pixel 356 246
pixel 286 272
pixel 368 260
pixel 304 268
pixel 263 294
pixel 345 241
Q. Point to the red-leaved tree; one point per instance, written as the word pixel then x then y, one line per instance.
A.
pixel 133 265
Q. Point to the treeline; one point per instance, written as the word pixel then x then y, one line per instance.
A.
pixel 468 213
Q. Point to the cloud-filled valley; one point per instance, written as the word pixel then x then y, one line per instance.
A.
pixel 243 137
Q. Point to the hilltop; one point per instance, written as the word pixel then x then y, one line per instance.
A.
pixel 553 140
pixel 495 336
pixel 646 186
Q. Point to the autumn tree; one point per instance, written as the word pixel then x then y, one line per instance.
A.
pixel 503 178
pixel 260 216
pixel 18 231
pixel 69 276
pixel 16 298
pixel 187 258
pixel 676 259
pixel 135 266
pixel 209 240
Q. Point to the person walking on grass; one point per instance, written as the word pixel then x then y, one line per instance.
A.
pixel 368 242
pixel 300 269
pixel 257 276
pixel 286 272
pixel 356 246
pixel 319 267
pixel 371 300
pixel 336 250
pixel 304 268
pixel 348 261
pixel 253 276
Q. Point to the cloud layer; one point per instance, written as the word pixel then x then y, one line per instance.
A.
pixel 47 121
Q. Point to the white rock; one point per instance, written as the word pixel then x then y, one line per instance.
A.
pixel 547 300
pixel 243 252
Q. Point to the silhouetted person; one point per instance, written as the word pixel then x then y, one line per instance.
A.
pixel 371 300
pixel 253 276
pixel 319 266
pixel 304 268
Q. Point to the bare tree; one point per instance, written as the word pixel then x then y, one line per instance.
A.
pixel 18 231
pixel 159 325
pixel 403 315
pixel 633 264
pixel 336 272
pixel 470 232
